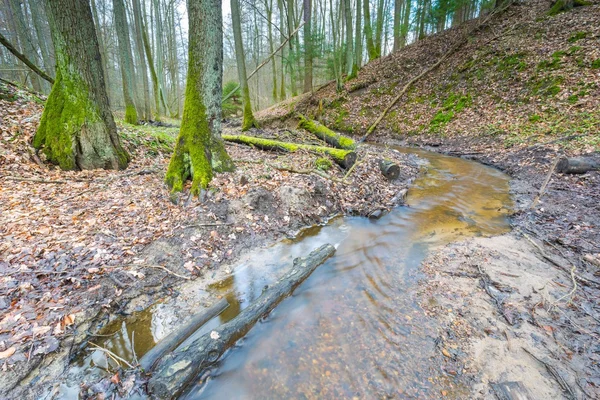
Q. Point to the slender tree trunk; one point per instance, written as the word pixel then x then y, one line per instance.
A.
pixel 77 129
pixel 349 42
pixel 282 94
pixel 291 52
pixel 37 11
pixel 334 32
pixel 269 8
pixel 199 149
pixel 406 23
pixel 126 59
pixel 308 67
pixel 358 38
pixel 397 23
pixel 379 28
pixel 26 41
pixel 371 50
pixel 100 36
pixel 248 118
pixel 143 70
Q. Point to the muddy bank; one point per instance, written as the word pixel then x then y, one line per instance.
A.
pixel 522 307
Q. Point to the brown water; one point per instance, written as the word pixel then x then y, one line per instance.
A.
pixel 354 328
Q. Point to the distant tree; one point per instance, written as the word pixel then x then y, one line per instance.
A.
pixel 199 149
pixel 308 67
pixel 77 129
pixel 126 61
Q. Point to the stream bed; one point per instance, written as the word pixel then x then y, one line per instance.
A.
pixel 354 328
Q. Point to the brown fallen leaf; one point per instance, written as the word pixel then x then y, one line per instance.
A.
pixel 7 353
pixel 446 353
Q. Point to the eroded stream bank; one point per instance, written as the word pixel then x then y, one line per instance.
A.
pixel 355 328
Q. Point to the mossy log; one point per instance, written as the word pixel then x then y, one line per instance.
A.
pixel 327 135
pixel 576 165
pixel 175 371
pixel 345 158
pixel 389 169
pixel 171 342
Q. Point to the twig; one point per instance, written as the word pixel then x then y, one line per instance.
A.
pixel 169 271
pixel 570 294
pixel 208 224
pixel 352 168
pixel 112 355
pixel 563 384
pixel 135 357
pixel 546 181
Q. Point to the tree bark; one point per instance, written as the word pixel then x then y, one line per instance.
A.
pixel 143 69
pixel 349 42
pixel 379 27
pixel 199 149
pixel 371 50
pixel 358 49
pixel 291 51
pixel 77 129
pixel 248 120
pixel 576 165
pixel 169 343
pixel 174 372
pixel 397 23
pixel 126 59
pixel 389 169
pixel 325 134
pixel 345 158
pixel 308 67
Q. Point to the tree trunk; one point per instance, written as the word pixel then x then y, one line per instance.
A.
pixel 42 34
pixel 26 41
pixel 379 27
pixel 178 369
pixel 100 37
pixel 291 52
pixel 397 23
pixel 77 129
pixel 345 158
pixel 389 169
pixel 199 149
pixel 282 94
pixel 122 27
pixel 405 23
pixel 576 165
pixel 143 69
pixel 248 120
pixel 358 49
pixel 308 67
pixel 369 32
pixel 269 8
pixel 327 135
pixel 349 42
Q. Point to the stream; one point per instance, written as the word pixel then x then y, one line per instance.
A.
pixel 354 328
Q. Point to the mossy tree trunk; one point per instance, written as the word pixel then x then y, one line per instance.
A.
pixel 126 61
pixel 248 120
pixel 199 149
pixel 143 70
pixel 77 129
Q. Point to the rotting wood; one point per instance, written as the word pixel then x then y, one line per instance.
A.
pixel 325 134
pixel 176 370
pixel 345 158
pixel 576 165
pixel 169 343
pixel 389 169
pixel 411 82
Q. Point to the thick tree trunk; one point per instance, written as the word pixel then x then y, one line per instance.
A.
pixel 248 120
pixel 327 135
pixel 77 129
pixel 345 158
pixel 199 148
pixel 175 371
pixel 126 61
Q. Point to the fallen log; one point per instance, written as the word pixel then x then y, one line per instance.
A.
pixel 345 158
pixel 389 169
pixel 171 342
pixel 576 165
pixel 176 370
pixel 325 134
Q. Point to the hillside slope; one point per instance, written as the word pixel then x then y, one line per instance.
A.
pixel 523 76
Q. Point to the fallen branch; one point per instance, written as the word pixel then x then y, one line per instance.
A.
pixel 325 134
pixel 455 47
pixel 112 355
pixel 170 342
pixel 345 158
pixel 169 271
pixel 24 59
pixel 175 371
pixel 546 181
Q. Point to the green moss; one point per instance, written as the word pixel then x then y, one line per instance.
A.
pixel 596 63
pixel 573 50
pixel 572 99
pixel 535 118
pixel 577 36
pixel 546 87
pixel 554 63
pixel 454 104
pixel 326 134
pixel 512 62
pixel 131 114
pixel 324 164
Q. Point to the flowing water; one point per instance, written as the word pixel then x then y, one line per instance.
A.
pixel 353 329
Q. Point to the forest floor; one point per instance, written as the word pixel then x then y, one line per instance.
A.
pixel 77 247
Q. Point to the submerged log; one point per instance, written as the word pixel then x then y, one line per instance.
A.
pixel 175 371
pixel 345 158
pixel 171 342
pixel 327 135
pixel 389 169
pixel 576 165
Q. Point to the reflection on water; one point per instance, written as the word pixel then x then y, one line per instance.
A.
pixel 353 329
